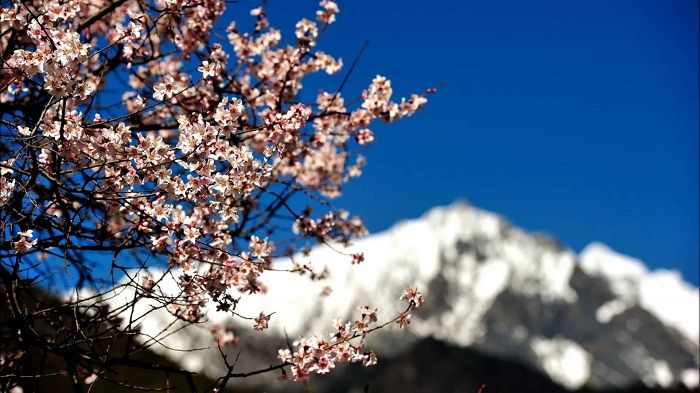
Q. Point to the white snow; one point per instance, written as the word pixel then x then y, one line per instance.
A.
pixel 663 293
pixel 676 303
pixel 621 271
pixel 610 309
pixel 491 279
pixel 691 377
pixel 663 374
pixel 564 360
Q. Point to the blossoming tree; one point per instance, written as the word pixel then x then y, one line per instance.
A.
pixel 130 139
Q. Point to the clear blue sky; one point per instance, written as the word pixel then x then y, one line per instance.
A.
pixel 578 119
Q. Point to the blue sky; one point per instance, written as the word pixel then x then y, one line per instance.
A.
pixel 578 119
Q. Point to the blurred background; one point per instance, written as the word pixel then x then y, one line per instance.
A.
pixel 571 130
pixel 578 119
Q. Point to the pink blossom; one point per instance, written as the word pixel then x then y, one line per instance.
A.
pixel 200 173
pixel 25 242
pixel 413 296
pixel 404 320
pixel 209 70
pixel 165 89
pixel 261 322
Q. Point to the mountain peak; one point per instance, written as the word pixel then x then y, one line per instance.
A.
pixel 599 260
pixel 660 292
pixel 495 288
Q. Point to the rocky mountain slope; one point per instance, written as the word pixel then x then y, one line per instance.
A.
pixel 594 321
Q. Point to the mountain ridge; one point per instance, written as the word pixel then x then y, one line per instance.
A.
pixel 598 320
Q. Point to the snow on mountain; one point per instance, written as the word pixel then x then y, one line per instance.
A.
pixel 604 321
pixel 663 293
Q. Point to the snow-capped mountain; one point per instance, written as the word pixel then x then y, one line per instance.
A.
pixel 599 320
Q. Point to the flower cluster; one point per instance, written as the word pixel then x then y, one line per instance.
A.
pixel 205 162
pixel 7 186
pixel 414 297
pixel 223 336
pixel 25 241
pixel 318 355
